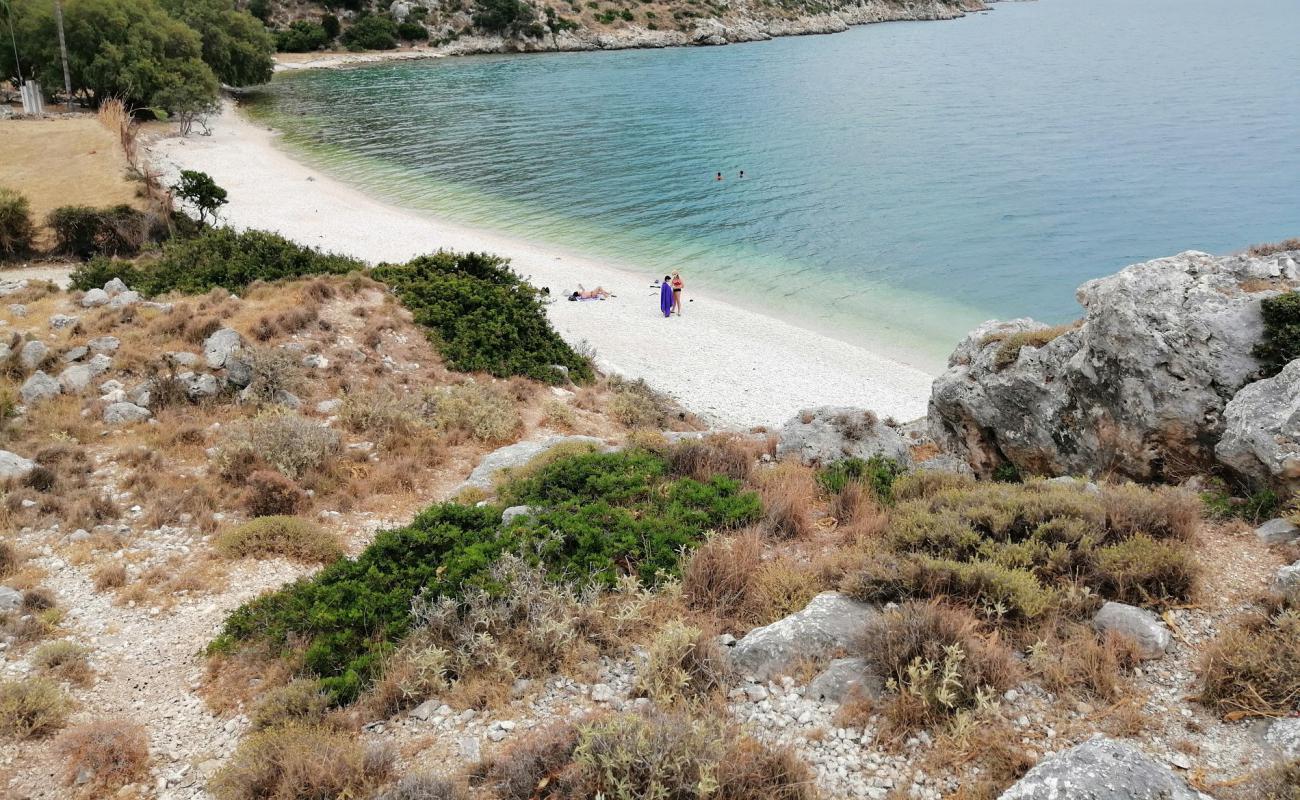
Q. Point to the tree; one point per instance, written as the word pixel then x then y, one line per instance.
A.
pixel 130 49
pixel 371 32
pixel 331 25
pixel 302 36
pixel 505 17
pixel 236 45
pixel 199 190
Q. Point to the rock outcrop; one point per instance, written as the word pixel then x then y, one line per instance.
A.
pixel 829 433
pixel 516 455
pixel 1138 387
pixel 829 624
pixel 1101 769
pixel 1261 439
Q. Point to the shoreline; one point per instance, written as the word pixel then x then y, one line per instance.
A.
pixel 707 32
pixel 731 366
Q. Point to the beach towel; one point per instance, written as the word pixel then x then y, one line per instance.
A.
pixel 666 298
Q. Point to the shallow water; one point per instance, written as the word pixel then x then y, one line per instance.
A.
pixel 903 181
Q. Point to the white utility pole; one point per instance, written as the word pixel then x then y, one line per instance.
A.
pixel 63 50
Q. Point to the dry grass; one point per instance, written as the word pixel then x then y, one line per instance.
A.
pixel 423 787
pixel 300 762
pixel 270 494
pixel 291 537
pixel 66 161
pixel 112 752
pixel 1010 344
pixel 789 492
pixel 683 665
pixel 722 576
pixel 31 708
pixel 299 702
pixel 64 661
pixel 938 663
pixel 715 455
pixel 1075 660
pixel 1251 668
pixel 1272 248
pixel 109 576
pixel 515 771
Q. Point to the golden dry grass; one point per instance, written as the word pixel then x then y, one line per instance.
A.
pixel 61 162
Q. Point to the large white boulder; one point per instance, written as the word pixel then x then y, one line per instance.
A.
pixel 1138 386
pixel 14 466
pixel 1261 438
pixel 1101 769
pixel 829 625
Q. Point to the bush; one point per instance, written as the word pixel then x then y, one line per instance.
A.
pixel 422 787
pixel 751 770
pixel 1250 669
pixel 714 455
pixel 302 36
pixel 482 411
pixel 270 494
pixel 544 754
pixel 276 372
pixel 877 473
pixel 291 537
pixel 506 17
pixel 299 702
pixel 483 317
pixel 371 32
pixel 936 662
pixel 412 32
pixel 635 405
pixel 64 660
pixel 1277 781
pixel 1142 571
pixel 788 493
pixel 683 664
pixel 1079 660
pixel 299 761
pixel 606 516
pixel 1280 343
pixel 292 444
pixel 636 756
pixel 199 190
pixel 231 260
pixel 722 576
pixel 1010 344
pixel 86 232
pixel 98 271
pixel 113 752
pixel 16 229
pixel 32 707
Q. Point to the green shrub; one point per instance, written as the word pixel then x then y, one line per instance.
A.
pixel 371 32
pixel 412 32
pixel 483 317
pixel 16 228
pixel 606 516
pixel 199 190
pixel 505 17
pixel 292 537
pixel 85 232
pixel 221 257
pixel 878 473
pixel 93 274
pixel 302 36
pixel 32 707
pixel 1143 571
pixel 1255 507
pixel 1280 343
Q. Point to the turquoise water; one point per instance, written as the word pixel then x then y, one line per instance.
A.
pixel 903 182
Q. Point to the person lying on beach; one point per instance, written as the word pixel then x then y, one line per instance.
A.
pixel 599 293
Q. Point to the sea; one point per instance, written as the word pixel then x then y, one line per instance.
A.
pixel 902 182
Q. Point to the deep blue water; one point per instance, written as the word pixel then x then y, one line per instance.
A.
pixel 904 181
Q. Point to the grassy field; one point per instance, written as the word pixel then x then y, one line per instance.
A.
pixel 66 161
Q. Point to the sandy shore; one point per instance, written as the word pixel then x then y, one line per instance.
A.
pixel 732 366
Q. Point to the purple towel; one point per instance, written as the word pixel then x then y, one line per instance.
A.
pixel 666 298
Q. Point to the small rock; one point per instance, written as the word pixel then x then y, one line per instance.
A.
pixel 470 750
pixel 1142 626
pixel 14 466
pixel 841 677
pixel 222 344
pixel 39 387
pixel 18 309
pixel 120 414
pixel 1288 578
pixel 1278 531
pixel 124 299
pixel 59 321
pixel 601 693
pixel 104 344
pixel 425 710
pixel 10 600
pixel 75 354
pixel 33 354
pixel 114 287
pixel 328 406
pixel 315 361
pixel 94 298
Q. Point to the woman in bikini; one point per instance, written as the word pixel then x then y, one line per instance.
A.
pixel 678 285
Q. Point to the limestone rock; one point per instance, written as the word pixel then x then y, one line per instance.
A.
pixel 94 298
pixel 1261 440
pixel 104 344
pixel 120 414
pixel 1284 734
pixel 14 466
pixel 59 321
pixel 76 378
pixel 39 387
pixel 33 354
pixel 830 433
pixel 329 406
pixel 843 676
pixel 124 299
pixel 10 599
pixel 514 512
pixel 1140 625
pixel 829 624
pixel 1288 578
pixel 1141 382
pixel 516 455
pixel 114 287
pixel 199 385
pixel 218 347
pixel 1101 769
pixel 1278 531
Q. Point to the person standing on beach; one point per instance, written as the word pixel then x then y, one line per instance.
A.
pixel 666 297
pixel 678 285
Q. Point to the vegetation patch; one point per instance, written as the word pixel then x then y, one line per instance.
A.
pixel 112 752
pixel 877 473
pixel 603 517
pixel 292 537
pixel 1024 551
pixel 300 761
pixel 1010 344
pixel 1253 667
pixel 16 228
pixel 483 317
pixel 32 707
pixel 1279 345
